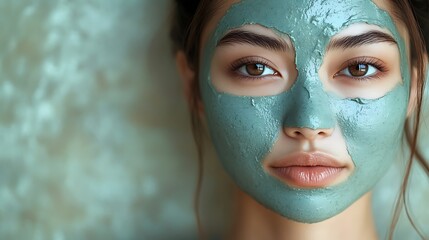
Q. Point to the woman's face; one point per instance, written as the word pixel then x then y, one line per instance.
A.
pixel 305 100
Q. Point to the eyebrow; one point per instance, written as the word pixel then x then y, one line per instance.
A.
pixel 370 37
pixel 245 37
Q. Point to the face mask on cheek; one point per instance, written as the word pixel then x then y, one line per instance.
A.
pixel 244 129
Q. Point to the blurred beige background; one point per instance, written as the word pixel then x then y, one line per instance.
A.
pixel 95 141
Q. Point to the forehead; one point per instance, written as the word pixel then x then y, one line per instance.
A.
pixel 324 15
pixel 304 18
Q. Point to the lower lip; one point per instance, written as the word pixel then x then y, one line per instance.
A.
pixel 308 176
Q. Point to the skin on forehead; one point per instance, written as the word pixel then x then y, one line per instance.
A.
pixel 244 128
pixel 224 5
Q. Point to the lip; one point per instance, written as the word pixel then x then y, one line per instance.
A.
pixel 308 170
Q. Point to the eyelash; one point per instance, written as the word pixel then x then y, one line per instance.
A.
pixel 235 66
pixel 366 61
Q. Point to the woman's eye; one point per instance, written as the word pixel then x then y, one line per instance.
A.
pixel 359 70
pixel 256 70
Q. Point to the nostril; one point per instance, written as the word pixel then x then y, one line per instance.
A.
pixel 324 133
pixel 307 133
pixel 297 133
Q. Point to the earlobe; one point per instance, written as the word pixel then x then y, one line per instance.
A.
pixel 413 92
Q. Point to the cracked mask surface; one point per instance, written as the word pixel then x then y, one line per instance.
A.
pixel 244 128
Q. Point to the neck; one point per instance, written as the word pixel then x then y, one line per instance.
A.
pixel 254 221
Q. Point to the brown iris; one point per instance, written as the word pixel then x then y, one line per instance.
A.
pixel 255 69
pixel 358 70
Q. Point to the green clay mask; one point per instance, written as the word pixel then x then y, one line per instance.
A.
pixel 244 129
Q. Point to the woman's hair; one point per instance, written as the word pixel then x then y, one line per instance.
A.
pixel 191 17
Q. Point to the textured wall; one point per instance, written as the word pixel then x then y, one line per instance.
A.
pixel 92 132
pixel 94 135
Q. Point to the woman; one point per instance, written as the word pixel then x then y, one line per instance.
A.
pixel 306 103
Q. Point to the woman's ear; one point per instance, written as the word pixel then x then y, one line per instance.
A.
pixel 188 79
pixel 186 74
pixel 413 92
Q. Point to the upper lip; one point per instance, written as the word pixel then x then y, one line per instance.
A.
pixel 306 159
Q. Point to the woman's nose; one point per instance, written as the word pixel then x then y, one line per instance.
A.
pixel 308 133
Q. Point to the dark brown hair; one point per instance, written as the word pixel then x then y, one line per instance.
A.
pixel 189 20
pixel 193 15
